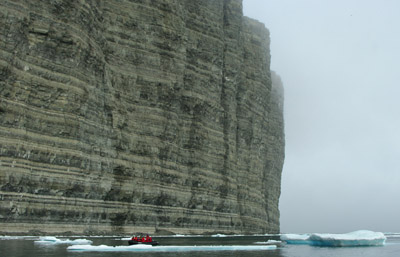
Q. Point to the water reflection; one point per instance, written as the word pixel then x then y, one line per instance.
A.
pixel 26 247
pixel 23 247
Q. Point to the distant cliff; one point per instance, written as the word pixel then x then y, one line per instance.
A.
pixel 126 116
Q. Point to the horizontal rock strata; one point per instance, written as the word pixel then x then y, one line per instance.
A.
pixel 124 116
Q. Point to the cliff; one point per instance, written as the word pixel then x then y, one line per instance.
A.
pixel 126 116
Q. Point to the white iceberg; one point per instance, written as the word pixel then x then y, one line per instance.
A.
pixel 296 238
pixel 149 248
pixel 51 240
pixel 356 238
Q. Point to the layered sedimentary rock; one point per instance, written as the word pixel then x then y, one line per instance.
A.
pixel 120 116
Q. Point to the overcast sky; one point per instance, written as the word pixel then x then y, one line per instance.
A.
pixel 340 64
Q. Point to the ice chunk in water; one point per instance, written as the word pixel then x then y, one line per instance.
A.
pixel 51 240
pixel 296 238
pixel 356 238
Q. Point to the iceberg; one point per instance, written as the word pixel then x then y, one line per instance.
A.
pixel 51 240
pixel 298 239
pixel 356 238
pixel 149 248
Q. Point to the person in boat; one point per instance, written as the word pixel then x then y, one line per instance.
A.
pixel 142 239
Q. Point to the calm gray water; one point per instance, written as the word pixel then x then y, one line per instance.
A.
pixel 26 247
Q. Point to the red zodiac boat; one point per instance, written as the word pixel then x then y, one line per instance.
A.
pixel 147 240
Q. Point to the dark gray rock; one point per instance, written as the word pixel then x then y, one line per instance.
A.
pixel 124 116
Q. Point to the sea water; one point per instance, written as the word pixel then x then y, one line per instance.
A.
pixel 26 246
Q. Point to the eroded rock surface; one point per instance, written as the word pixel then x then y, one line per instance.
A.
pixel 126 116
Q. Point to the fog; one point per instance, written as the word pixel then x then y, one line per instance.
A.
pixel 339 63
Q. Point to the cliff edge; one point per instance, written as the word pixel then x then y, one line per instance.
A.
pixel 126 116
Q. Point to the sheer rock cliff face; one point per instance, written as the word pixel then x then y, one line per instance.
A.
pixel 126 116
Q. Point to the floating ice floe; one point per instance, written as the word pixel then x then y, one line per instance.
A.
pixel 296 238
pixel 219 235
pixel 51 240
pixel 180 235
pixel 149 248
pixel 356 238
pixel 269 242
pixel 17 237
